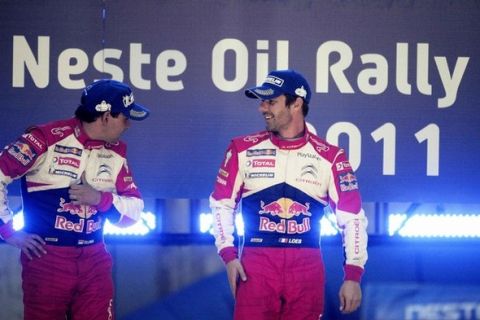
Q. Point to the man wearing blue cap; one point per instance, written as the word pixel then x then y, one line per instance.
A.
pixel 74 176
pixel 284 177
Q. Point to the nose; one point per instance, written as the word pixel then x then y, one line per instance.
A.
pixel 263 106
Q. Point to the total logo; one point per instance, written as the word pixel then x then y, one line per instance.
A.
pixel 285 208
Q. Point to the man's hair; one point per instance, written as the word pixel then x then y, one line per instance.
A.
pixel 291 99
pixel 84 115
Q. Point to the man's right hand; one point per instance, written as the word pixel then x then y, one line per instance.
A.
pixel 235 270
pixel 30 244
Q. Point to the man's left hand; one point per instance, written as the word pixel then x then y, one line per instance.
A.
pixel 84 194
pixel 350 296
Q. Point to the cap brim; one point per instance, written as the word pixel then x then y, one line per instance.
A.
pixel 138 112
pixel 263 93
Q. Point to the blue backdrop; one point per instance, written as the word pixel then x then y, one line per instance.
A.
pixel 396 83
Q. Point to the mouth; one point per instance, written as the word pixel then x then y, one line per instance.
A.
pixel 267 116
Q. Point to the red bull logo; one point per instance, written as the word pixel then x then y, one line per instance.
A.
pixel 62 223
pixel 25 150
pixel 83 211
pixel 285 208
pixel 273 208
pixel 285 226
pixel 22 152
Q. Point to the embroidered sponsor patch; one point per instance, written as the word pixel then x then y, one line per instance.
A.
pixel 104 155
pixel 347 181
pixel 223 173
pixel 290 240
pixel 274 80
pixel 259 163
pixel 68 150
pixel 104 170
pixel 309 169
pixel 228 155
pixel 255 175
pixel 67 161
pixel 308 156
pixel 67 173
pixel 343 165
pixel 221 181
pixel 33 140
pixel 266 92
pixel 261 152
pixel 22 152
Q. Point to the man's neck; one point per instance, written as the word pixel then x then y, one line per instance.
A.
pixel 91 129
pixel 290 137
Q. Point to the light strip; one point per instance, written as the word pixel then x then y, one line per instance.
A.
pixel 434 225
pixel 145 225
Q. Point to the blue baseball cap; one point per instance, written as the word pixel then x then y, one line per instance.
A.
pixel 114 96
pixel 281 82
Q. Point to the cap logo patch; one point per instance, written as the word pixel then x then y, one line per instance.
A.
pixel 137 114
pixel 128 100
pixel 103 106
pixel 267 92
pixel 301 92
pixel 274 80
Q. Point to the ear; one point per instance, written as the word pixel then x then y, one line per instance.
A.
pixel 298 104
pixel 105 117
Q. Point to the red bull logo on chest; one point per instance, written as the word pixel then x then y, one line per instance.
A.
pixel 81 211
pixel 84 212
pixel 285 208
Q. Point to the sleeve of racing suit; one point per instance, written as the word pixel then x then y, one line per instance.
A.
pixel 224 202
pixel 16 160
pixel 126 205
pixel 346 201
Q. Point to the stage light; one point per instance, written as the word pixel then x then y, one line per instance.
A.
pixel 18 221
pixel 435 225
pixel 239 226
pixel 328 225
pixel 206 221
pixel 145 225
pixel 395 222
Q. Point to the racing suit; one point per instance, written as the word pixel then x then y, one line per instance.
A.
pixel 281 188
pixel 75 274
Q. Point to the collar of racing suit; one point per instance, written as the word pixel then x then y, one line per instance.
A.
pixel 289 144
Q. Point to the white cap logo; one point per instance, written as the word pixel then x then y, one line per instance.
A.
pixel 128 100
pixel 274 80
pixel 103 106
pixel 301 92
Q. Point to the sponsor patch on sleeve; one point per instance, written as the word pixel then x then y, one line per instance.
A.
pixel 22 152
pixel 347 182
pixel 343 165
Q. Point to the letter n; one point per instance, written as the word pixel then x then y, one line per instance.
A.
pixel 38 67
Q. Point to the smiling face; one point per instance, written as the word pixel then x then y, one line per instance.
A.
pixel 276 113
pixel 280 118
